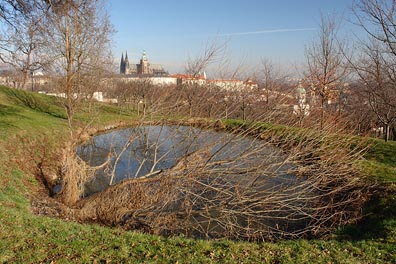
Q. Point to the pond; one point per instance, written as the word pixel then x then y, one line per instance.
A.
pixel 211 184
pixel 145 150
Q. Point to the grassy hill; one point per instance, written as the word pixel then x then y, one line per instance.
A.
pixel 32 125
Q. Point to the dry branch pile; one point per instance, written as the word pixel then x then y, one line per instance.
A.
pixel 260 192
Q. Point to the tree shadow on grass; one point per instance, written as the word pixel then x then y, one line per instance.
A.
pixel 5 125
pixel 35 102
pixel 379 221
pixel 7 110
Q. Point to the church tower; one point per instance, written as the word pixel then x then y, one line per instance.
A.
pixel 122 64
pixel 144 64
pixel 126 63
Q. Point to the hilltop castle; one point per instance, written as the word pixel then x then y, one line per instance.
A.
pixel 144 68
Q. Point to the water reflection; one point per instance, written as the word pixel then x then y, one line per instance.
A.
pixel 147 149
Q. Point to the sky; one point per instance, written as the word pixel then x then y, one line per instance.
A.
pixel 174 31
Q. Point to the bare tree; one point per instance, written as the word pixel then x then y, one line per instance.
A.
pixel 326 66
pixel 359 116
pixel 11 10
pixel 212 53
pixel 378 19
pixel 78 42
pixel 377 82
pixel 376 66
pixel 270 79
pixel 192 92
pixel 21 38
pixel 142 91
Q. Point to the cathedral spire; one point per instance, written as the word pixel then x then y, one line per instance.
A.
pixel 126 64
pixel 122 64
pixel 126 57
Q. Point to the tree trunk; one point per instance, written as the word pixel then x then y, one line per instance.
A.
pixel 322 112
pixel 386 137
pixel 243 111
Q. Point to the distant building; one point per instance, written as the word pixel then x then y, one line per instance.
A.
pixel 302 107
pixel 233 85
pixel 144 68
pixel 153 80
pixel 250 84
pixel 229 85
pixel 188 79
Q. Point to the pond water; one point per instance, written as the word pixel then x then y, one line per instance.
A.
pixel 143 150
pixel 228 182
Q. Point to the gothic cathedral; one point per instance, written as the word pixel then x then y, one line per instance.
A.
pixel 144 68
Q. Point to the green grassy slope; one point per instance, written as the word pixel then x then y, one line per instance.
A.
pixel 21 110
pixel 381 160
pixel 28 238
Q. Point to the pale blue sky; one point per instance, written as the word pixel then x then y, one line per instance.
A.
pixel 171 31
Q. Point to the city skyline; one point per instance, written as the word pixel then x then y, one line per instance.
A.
pixel 174 31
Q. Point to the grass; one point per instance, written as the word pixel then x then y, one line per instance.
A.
pixel 28 238
pixel 14 119
pixel 25 238
pixel 381 160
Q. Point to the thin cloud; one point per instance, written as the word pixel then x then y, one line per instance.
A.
pixel 266 31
